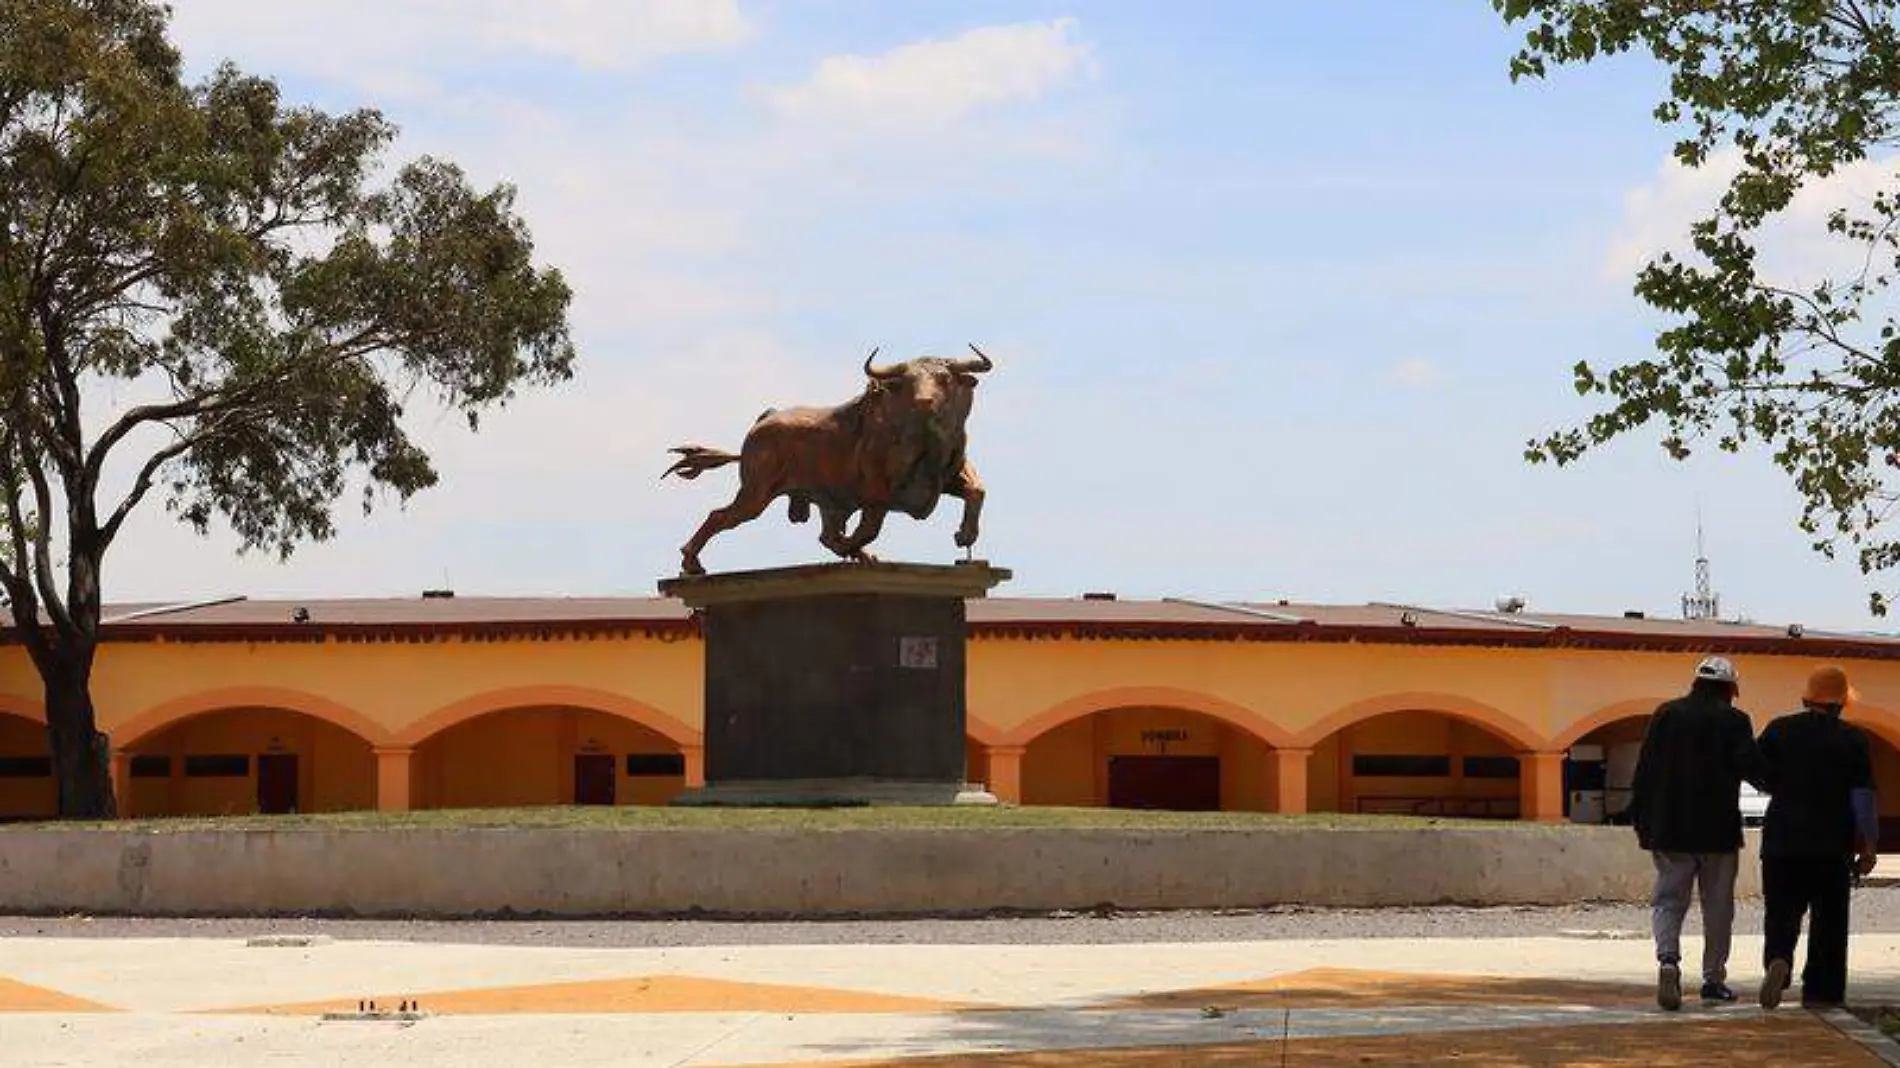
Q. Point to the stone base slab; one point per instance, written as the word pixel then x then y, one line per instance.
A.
pixel 424 872
pixel 966 579
pixel 833 793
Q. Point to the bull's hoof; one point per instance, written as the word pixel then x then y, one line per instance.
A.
pixel 691 567
pixel 965 538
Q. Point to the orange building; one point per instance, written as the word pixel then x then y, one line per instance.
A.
pixel 243 706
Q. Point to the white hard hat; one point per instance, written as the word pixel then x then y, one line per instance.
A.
pixel 1716 668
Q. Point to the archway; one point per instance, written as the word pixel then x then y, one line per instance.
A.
pixel 1151 757
pixel 1600 754
pixel 1880 729
pixel 546 755
pixel 27 787
pixel 1416 761
pixel 231 761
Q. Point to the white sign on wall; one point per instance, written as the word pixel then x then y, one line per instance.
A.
pixel 920 653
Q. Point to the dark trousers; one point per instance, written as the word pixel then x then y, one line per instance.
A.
pixel 1818 887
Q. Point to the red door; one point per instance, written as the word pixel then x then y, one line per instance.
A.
pixel 593 779
pixel 277 782
pixel 1179 783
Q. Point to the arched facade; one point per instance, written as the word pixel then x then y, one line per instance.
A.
pixel 1614 721
pixel 1600 752
pixel 146 723
pixel 609 702
pixel 440 702
pixel 559 744
pixel 1187 700
pixel 243 759
pixel 1419 754
pixel 1502 724
pixel 237 750
pixel 1149 747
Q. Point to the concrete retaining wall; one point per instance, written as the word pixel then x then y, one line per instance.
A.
pixel 771 872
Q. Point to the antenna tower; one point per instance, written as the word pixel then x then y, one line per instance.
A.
pixel 1703 603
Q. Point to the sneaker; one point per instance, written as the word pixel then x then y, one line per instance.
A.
pixel 1669 986
pixel 1775 983
pixel 1717 992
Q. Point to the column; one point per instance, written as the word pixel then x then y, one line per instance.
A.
pixel 1541 786
pixel 394 774
pixel 695 765
pixel 1289 779
pixel 122 783
pixel 1006 773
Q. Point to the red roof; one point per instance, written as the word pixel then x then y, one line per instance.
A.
pixel 369 618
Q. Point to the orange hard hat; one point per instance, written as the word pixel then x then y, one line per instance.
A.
pixel 1828 686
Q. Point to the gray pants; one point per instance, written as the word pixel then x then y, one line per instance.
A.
pixel 1713 875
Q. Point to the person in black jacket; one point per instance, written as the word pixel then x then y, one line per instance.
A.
pixel 1821 802
pixel 1685 805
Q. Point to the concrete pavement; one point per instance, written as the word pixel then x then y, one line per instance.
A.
pixel 159 1003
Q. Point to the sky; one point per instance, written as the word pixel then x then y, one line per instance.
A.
pixel 1277 293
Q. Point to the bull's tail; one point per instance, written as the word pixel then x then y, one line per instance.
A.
pixel 695 460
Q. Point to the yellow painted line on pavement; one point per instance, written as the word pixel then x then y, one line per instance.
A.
pixel 643 994
pixel 16 996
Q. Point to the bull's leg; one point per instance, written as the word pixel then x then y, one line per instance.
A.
pixel 969 487
pixel 832 537
pixel 745 507
pixel 870 522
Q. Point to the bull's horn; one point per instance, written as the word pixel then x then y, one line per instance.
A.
pixel 977 366
pixel 892 371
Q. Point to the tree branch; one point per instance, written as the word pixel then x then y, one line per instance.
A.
pixel 216 401
pixel 142 485
pixel 43 550
pixel 21 603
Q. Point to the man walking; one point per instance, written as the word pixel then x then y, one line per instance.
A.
pixel 1685 804
pixel 1822 800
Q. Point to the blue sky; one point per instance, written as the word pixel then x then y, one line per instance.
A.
pixel 1277 294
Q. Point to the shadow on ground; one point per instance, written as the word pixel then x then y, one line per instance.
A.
pixel 1735 1040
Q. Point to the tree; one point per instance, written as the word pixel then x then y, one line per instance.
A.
pixel 234 262
pixel 1783 93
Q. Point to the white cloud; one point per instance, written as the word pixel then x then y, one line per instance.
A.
pixel 613 33
pixel 1796 248
pixel 395 48
pixel 935 82
pixel 682 222
pixel 1416 372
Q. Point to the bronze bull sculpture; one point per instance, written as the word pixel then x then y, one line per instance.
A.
pixel 897 446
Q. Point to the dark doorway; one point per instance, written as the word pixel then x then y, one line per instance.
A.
pixel 1177 783
pixel 594 779
pixel 277 783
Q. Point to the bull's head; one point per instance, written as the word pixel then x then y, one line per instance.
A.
pixel 931 384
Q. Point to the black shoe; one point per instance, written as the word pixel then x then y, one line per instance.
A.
pixel 1717 992
pixel 1774 983
pixel 1669 986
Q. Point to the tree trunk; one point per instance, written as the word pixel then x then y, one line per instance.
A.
pixel 82 758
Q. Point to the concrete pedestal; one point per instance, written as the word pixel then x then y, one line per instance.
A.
pixel 835 684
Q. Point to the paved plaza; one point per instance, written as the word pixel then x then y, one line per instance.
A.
pixel 1582 998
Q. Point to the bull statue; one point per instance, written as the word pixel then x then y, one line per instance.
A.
pixel 896 446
